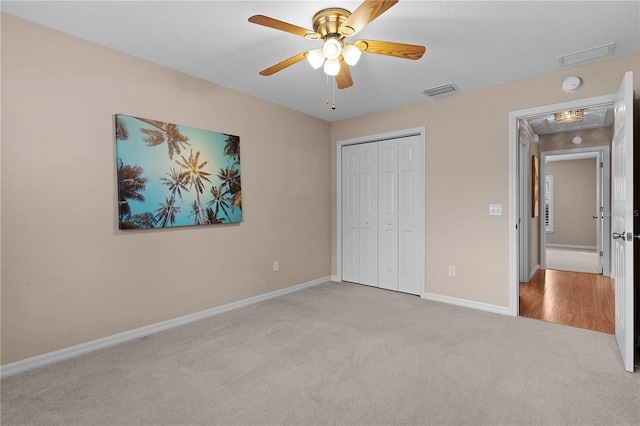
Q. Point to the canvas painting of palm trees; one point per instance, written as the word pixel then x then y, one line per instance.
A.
pixel 172 175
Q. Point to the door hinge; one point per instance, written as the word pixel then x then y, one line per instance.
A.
pixel 601 253
pixel 601 164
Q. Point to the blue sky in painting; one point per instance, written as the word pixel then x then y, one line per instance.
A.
pixel 156 164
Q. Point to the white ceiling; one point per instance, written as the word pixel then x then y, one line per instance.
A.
pixel 471 44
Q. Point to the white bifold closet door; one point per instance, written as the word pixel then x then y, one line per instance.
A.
pixel 383 214
pixel 360 213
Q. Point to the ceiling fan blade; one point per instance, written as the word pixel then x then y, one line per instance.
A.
pixel 283 26
pixel 343 79
pixel 284 64
pixel 389 48
pixel 364 15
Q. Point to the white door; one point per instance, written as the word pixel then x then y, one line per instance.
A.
pixel 411 215
pixel 388 214
pixel 368 198
pixel 359 213
pixel 623 213
pixel 350 213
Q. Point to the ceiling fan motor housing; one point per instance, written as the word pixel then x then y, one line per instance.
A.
pixel 327 21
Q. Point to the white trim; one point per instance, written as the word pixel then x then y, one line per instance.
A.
pixel 116 339
pixel 420 131
pixel 572 246
pixel 533 271
pixel 335 278
pixel 503 310
pixel 514 116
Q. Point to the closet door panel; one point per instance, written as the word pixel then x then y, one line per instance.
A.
pixel 350 214
pixel 411 221
pixel 368 203
pixel 388 214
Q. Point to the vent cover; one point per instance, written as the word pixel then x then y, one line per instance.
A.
pixel 445 89
pixel 587 55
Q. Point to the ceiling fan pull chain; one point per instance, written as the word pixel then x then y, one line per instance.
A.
pixel 326 92
pixel 333 86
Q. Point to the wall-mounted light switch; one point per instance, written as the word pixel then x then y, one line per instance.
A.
pixel 495 209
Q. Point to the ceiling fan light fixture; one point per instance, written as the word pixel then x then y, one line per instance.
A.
pixel 568 117
pixel 315 58
pixel 332 48
pixel 351 54
pixel 332 67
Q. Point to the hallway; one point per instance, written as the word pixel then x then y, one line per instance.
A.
pixel 570 298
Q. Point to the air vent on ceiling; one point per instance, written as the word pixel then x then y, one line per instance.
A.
pixel 445 89
pixel 587 55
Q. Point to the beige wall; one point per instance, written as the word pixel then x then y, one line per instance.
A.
pixel 467 168
pixel 68 274
pixel 574 202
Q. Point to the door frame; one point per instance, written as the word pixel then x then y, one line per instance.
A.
pixel 417 131
pixel 603 196
pixel 514 198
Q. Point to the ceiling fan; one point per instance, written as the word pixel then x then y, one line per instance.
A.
pixel 333 26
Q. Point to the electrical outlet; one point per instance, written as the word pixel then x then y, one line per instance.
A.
pixel 452 271
pixel 276 266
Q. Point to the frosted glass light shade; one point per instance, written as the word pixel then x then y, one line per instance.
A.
pixel 332 48
pixel 351 54
pixel 315 58
pixel 332 67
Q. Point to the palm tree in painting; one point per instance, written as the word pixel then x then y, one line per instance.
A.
pixel 166 214
pixel 211 217
pixel 220 201
pixel 130 184
pixel 232 147
pixel 194 175
pixel 122 132
pixel 176 183
pixel 164 132
pixel 236 200
pixel 231 177
pixel 144 220
pixel 196 213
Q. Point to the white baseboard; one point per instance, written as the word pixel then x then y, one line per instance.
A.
pixel 335 278
pixel 533 271
pixel 83 348
pixel 468 304
pixel 571 246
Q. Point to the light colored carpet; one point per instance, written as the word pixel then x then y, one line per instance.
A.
pixel 339 354
pixel 576 260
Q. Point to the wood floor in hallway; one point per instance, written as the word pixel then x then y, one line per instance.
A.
pixel 570 298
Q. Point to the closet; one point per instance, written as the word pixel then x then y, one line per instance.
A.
pixel 382 207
